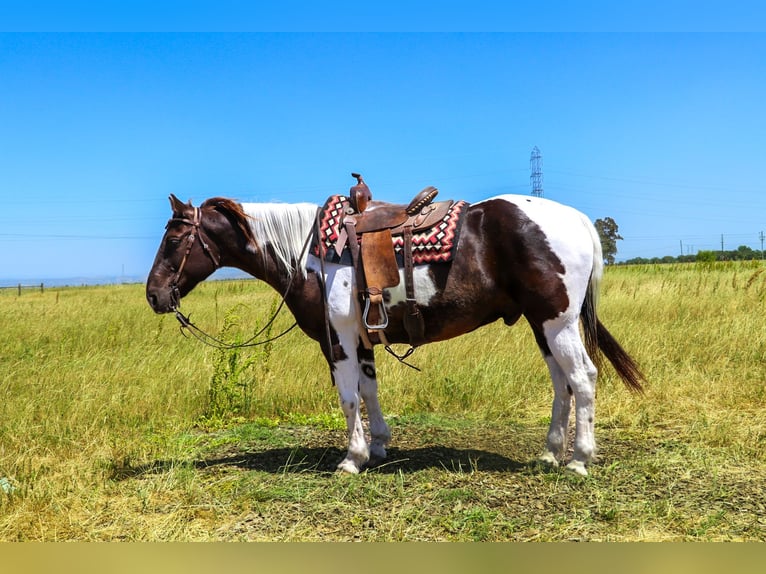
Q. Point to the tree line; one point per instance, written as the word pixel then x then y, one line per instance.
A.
pixel 608 231
pixel 741 253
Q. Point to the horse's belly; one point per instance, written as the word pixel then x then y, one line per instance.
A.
pixel 447 313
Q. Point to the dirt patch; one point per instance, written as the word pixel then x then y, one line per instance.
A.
pixel 473 482
pixel 412 449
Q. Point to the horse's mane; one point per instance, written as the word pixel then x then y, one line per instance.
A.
pixel 283 226
pixel 235 211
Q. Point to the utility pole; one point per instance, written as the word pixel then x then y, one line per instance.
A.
pixel 761 237
pixel 536 167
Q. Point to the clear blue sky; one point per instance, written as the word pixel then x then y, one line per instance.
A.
pixel 664 132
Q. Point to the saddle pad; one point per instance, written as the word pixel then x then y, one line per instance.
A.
pixel 434 245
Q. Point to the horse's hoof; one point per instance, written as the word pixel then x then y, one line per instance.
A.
pixel 347 466
pixel 549 459
pixel 377 453
pixel 577 467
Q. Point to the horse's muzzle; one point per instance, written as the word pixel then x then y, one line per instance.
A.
pixel 163 301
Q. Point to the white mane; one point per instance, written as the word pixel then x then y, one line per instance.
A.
pixel 285 226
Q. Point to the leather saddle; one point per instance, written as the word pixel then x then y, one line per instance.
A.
pixel 369 227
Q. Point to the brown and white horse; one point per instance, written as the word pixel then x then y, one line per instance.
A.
pixel 516 256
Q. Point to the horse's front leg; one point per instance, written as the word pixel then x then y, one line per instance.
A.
pixel 352 383
pixel 347 380
pixel 380 434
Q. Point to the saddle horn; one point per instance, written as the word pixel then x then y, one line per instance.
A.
pixel 360 194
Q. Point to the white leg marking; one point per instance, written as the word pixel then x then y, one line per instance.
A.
pixel 379 431
pixel 569 352
pixel 556 442
pixel 347 382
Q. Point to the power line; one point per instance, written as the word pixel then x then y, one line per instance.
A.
pixel 653 182
pixel 36 236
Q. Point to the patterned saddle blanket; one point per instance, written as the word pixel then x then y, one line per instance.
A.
pixel 434 244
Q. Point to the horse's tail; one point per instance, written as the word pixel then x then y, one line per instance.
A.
pixel 597 338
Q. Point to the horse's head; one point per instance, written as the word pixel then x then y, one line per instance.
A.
pixel 185 257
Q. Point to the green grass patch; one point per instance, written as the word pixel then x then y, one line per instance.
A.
pixel 115 427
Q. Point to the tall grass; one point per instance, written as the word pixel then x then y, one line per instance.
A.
pixel 92 382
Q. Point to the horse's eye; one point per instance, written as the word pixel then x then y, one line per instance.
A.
pixel 174 240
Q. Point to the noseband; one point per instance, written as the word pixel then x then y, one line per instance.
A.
pixel 191 236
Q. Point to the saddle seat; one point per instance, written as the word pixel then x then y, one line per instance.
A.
pixel 368 215
pixel 419 214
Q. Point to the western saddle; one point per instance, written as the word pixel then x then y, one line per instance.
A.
pixel 368 229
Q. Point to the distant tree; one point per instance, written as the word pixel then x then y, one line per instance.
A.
pixel 745 253
pixel 706 257
pixel 609 234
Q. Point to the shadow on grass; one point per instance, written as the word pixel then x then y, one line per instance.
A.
pixel 319 460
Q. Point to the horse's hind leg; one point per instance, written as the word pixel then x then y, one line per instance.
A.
pixel 579 372
pixel 556 441
pixel 380 434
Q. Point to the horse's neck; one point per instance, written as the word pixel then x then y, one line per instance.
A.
pixel 285 281
pixel 302 295
pixel 272 252
pixel 291 283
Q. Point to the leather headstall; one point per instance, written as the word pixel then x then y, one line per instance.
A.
pixel 190 237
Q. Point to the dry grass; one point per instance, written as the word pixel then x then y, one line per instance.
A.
pixel 104 434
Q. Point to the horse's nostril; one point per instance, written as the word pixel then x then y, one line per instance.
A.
pixel 152 298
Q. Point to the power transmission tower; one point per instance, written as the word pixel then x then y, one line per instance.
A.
pixel 761 236
pixel 536 167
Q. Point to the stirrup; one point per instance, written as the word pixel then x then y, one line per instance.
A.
pixel 384 316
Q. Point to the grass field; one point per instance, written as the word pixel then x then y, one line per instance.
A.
pixel 115 427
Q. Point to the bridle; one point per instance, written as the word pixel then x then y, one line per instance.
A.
pixel 190 237
pixel 186 324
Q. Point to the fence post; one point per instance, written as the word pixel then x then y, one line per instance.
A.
pixel 41 288
pixel 19 289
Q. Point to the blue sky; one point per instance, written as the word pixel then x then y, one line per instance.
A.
pixel 664 132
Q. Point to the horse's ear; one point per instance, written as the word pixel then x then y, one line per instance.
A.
pixel 177 205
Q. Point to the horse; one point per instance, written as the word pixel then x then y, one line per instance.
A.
pixel 515 256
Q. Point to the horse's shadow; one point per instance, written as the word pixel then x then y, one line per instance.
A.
pixel 319 460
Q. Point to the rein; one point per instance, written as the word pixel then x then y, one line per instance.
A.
pixel 211 341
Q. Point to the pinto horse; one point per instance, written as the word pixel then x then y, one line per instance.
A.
pixel 516 256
